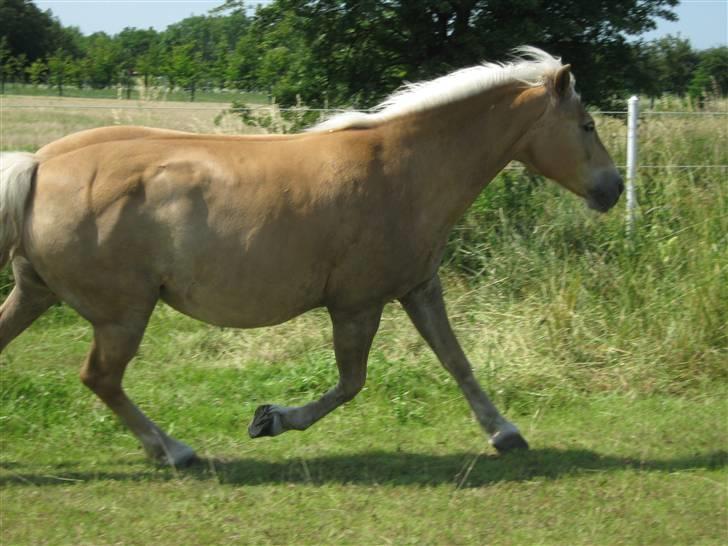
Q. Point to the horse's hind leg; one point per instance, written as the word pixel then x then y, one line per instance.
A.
pixel 29 299
pixel 113 347
pixel 353 335
pixel 426 307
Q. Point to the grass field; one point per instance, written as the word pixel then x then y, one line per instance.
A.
pixel 154 95
pixel 608 351
pixel 404 463
pixel 30 122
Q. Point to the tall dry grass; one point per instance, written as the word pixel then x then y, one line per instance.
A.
pixel 31 122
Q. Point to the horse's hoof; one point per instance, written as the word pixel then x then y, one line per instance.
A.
pixel 174 454
pixel 185 460
pixel 266 422
pixel 508 441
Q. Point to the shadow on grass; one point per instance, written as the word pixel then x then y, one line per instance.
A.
pixel 373 468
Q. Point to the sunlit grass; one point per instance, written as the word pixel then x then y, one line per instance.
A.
pixel 403 463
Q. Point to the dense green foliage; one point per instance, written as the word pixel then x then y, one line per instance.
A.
pixel 675 68
pixel 32 33
pixel 336 52
pixel 357 51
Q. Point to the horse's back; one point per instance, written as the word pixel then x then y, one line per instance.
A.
pixel 120 133
pixel 99 135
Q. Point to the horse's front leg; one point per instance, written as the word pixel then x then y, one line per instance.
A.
pixel 426 308
pixel 353 334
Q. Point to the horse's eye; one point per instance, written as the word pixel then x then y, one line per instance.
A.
pixel 589 127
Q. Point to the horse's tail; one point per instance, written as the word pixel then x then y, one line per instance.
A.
pixel 17 170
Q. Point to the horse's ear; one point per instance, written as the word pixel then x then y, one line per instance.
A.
pixel 562 82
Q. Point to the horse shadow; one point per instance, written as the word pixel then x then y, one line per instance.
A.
pixel 462 469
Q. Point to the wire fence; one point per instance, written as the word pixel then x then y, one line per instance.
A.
pixel 625 132
pixel 217 108
pixel 38 103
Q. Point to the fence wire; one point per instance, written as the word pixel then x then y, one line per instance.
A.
pixel 299 109
pixel 331 111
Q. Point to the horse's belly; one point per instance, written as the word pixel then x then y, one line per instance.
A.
pixel 235 317
pixel 245 303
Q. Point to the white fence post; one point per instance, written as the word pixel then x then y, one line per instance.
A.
pixel 632 120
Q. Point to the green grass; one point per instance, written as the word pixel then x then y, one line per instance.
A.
pixel 652 485
pixel 403 463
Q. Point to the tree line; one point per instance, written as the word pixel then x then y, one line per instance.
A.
pixel 353 52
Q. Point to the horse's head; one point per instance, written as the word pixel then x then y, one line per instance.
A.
pixel 565 147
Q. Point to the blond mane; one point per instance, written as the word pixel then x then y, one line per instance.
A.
pixel 530 66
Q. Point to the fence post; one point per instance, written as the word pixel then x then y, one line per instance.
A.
pixel 632 120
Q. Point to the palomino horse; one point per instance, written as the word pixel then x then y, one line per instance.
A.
pixel 248 231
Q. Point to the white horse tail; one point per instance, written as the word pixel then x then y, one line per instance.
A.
pixel 17 170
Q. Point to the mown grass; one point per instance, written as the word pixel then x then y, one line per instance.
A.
pixel 608 350
pixel 404 463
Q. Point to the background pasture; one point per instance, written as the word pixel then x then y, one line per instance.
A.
pixel 610 353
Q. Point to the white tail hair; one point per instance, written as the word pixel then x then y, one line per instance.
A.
pixel 16 176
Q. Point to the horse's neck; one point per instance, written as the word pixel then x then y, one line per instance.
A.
pixel 453 152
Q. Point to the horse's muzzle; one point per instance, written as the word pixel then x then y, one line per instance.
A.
pixel 606 191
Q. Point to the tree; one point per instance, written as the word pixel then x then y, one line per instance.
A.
pixel 59 67
pixel 132 45
pixel 357 51
pixel 218 65
pixel 185 68
pixel 285 66
pixel 672 62
pixel 150 63
pixel 5 63
pixel 104 58
pixel 37 71
pixel 33 32
pixel 699 86
pixel 714 64
pixel 68 39
pixel 242 63
pixel 76 70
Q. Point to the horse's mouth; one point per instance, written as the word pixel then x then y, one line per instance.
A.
pixel 603 196
pixel 598 204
